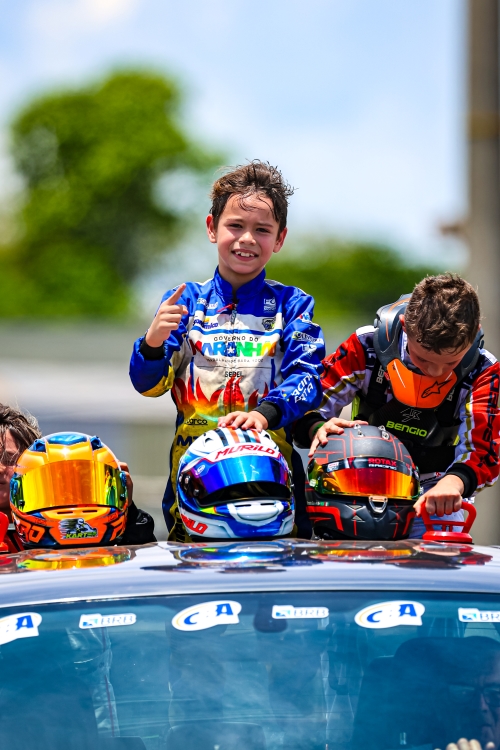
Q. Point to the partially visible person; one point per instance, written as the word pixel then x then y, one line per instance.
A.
pixel 18 430
pixel 471 703
pixel 423 374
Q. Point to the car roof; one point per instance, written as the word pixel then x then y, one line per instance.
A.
pixel 42 576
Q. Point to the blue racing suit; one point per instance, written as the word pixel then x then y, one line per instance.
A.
pixel 257 349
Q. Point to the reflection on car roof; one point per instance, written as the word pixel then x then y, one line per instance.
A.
pixel 38 576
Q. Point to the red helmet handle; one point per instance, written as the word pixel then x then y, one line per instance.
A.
pixel 440 530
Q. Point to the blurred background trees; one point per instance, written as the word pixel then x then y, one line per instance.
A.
pixel 349 280
pixel 93 216
pixel 97 214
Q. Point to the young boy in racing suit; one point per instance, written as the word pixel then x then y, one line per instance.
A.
pixel 421 372
pixel 237 350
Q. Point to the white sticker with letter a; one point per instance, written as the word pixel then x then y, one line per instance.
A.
pixel 390 614
pixel 207 615
pixel 24 625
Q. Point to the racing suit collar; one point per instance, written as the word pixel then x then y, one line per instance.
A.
pixel 250 289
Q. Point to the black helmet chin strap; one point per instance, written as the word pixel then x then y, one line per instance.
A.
pixel 388 329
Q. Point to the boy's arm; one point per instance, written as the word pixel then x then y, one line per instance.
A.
pixel 304 348
pixel 151 371
pixel 343 376
pixel 476 454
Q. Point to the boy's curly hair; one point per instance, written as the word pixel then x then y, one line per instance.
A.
pixel 256 177
pixel 23 428
pixel 443 313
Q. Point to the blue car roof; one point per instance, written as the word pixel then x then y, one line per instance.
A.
pixel 42 576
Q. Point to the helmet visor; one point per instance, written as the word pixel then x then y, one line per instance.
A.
pixel 216 479
pixel 365 482
pixel 68 483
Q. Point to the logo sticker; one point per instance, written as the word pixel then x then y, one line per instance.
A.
pixel 106 621
pixel 207 615
pixel 268 323
pixel 477 615
pixel 269 304
pixel 287 612
pixel 14 627
pixel 390 615
pixel 76 528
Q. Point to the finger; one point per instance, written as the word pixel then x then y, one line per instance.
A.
pixel 250 424
pixel 448 506
pixel 170 317
pixel 451 746
pixel 352 423
pixel 176 295
pixel 239 420
pixel 457 504
pixel 475 745
pixel 463 744
pixel 313 447
pixel 431 506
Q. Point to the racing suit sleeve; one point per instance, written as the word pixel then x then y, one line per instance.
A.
pixel 152 369
pixel 476 454
pixel 303 347
pixel 343 376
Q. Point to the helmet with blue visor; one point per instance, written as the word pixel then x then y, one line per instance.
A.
pixel 235 484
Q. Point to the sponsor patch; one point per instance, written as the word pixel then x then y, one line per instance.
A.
pixel 269 305
pixel 268 323
pixel 470 614
pixel 76 528
pixel 301 336
pixel 207 615
pixel 24 625
pixel 390 615
pixel 106 621
pixel 288 612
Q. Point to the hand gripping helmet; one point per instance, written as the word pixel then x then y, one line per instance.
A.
pixel 68 491
pixel 233 484
pixel 362 485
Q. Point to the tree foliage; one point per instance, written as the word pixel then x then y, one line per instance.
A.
pixel 349 281
pixel 91 220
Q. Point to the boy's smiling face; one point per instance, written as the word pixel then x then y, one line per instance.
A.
pixel 246 236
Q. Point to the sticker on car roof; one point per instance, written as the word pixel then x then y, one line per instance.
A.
pixel 470 614
pixel 207 615
pixel 288 612
pixel 24 625
pixel 106 621
pixel 390 614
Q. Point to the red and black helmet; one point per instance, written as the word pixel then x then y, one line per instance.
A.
pixel 362 485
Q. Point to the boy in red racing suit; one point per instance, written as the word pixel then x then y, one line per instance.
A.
pixel 421 372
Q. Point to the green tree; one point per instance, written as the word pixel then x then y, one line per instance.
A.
pixel 349 281
pixel 92 217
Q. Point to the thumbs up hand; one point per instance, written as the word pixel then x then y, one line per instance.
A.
pixel 167 319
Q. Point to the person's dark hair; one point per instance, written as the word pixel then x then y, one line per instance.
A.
pixel 443 313
pixel 23 428
pixel 255 178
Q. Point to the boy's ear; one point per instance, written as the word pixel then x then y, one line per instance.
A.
pixel 280 240
pixel 402 319
pixel 211 230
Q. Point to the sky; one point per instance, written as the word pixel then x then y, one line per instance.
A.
pixel 359 102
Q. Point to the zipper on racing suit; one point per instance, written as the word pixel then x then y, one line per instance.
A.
pixel 233 307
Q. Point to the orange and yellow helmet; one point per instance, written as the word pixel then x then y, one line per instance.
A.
pixel 68 491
